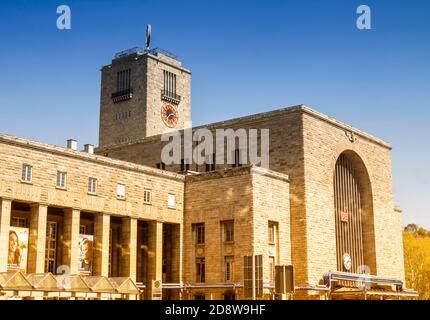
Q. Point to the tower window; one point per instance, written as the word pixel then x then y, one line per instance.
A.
pixel 123 80
pixel 169 89
pixel 169 82
pixel 123 86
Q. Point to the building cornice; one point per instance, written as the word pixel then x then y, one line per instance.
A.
pixel 83 156
pixel 344 126
pixel 261 116
pixel 136 57
pixel 234 172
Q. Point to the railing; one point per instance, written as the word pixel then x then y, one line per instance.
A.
pixel 156 51
pixel 360 278
pixel 139 50
pixel 122 95
pixel 170 96
pixel 135 50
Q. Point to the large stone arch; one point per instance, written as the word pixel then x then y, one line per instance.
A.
pixel 353 213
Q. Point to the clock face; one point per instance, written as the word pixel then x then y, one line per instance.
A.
pixel 169 115
pixel 347 261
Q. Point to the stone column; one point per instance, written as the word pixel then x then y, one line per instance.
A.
pixel 177 249
pixel 101 245
pixel 71 239
pixel 129 248
pixel 5 212
pixel 37 238
pixel 155 254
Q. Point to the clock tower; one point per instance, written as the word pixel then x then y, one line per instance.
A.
pixel 143 93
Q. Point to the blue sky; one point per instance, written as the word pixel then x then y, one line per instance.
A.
pixel 246 57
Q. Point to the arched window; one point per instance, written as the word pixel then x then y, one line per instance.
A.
pixel 355 242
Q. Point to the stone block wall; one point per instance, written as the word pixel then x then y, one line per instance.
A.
pixel 140 116
pixel 306 144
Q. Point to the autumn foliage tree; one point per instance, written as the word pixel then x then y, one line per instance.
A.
pixel 417 261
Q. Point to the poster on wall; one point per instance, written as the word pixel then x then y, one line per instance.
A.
pixel 85 257
pixel 18 249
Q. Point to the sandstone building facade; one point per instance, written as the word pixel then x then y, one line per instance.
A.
pixel 324 205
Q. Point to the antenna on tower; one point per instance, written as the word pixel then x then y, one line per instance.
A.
pixel 148 36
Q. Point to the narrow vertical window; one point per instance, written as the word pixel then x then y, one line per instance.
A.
pixel 168 92
pixel 200 233
pixel 123 80
pixel 171 200
pixel 228 268
pixel 272 231
pixel 200 270
pixel 147 196
pixel 92 185
pixel 51 247
pixel 61 179
pixel 228 231
pixel 271 269
pixel 27 173
pixel 259 275
pixel 120 191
